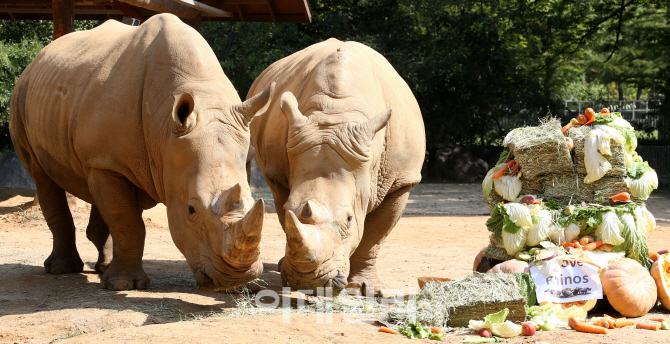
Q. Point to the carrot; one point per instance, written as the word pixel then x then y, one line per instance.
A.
pixel 581 326
pixel 537 202
pixel 657 319
pixel 572 322
pixel 607 316
pixel 603 323
pixel 567 244
pixel 623 322
pixel 653 327
pixel 502 170
pixel 514 168
pixel 592 246
pixel 576 244
pixel 611 322
pixel 582 119
pixel 388 330
pixel 624 196
pixel 654 257
pixel 436 329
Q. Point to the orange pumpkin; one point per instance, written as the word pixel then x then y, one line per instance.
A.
pixel 586 305
pixel 512 265
pixel 661 274
pixel 629 287
pixel 478 260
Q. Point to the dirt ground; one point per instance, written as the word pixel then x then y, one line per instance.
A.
pixel 36 307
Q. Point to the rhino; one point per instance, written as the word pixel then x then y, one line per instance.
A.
pixel 340 150
pixel 127 117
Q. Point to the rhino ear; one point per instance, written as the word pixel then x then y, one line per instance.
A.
pixel 182 114
pixel 255 105
pixel 289 106
pixel 365 132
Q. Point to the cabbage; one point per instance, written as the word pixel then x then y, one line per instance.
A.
pixel 643 186
pixel 534 209
pixel 628 158
pixel 556 234
pixel 571 232
pixel 539 231
pixel 610 229
pixel 603 141
pixel 507 329
pixel 508 187
pixel 644 220
pixel 519 214
pixel 627 132
pixel 596 165
pixel 514 242
pixel 487 184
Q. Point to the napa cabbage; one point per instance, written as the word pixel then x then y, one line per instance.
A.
pixel 643 186
pixel 610 229
pixel 508 187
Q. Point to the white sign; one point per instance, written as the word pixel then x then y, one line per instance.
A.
pixel 572 281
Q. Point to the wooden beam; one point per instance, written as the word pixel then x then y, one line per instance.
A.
pixel 272 11
pixel 130 11
pixel 63 17
pixel 241 2
pixel 48 11
pixel 212 11
pixel 240 12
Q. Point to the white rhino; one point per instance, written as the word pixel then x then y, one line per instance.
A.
pixel 125 117
pixel 341 151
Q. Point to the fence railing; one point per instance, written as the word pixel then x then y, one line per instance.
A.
pixel 640 113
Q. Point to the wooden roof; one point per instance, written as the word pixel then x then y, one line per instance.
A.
pixel 294 11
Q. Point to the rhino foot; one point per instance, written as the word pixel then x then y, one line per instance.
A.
pixel 101 267
pixel 124 281
pixel 63 265
pixel 374 287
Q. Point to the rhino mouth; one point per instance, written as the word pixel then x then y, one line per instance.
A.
pixel 228 280
pixel 332 278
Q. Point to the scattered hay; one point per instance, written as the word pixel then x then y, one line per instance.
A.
pixel 617 159
pixel 455 303
pixel 606 187
pixel 540 150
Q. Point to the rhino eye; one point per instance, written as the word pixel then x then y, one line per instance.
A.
pixel 349 218
pixel 191 210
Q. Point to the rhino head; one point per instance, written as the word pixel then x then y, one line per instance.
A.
pixel 212 218
pixel 331 175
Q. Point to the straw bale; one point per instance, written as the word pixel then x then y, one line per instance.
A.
pixel 540 150
pixel 567 188
pixel 456 302
pixel 617 159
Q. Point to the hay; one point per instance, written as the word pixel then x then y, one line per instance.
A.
pixel 455 303
pixel 528 187
pixel 496 250
pixel 568 188
pixel 617 159
pixel 540 150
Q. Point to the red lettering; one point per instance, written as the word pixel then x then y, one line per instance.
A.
pixel 565 264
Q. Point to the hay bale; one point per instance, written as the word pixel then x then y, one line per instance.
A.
pixel 456 302
pixel 617 159
pixel 528 187
pixel 568 188
pixel 496 250
pixel 540 150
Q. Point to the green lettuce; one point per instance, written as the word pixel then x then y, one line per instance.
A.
pixel 638 169
pixel 496 318
pixel 415 330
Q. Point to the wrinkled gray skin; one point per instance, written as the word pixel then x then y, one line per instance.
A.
pixel 126 117
pixel 340 150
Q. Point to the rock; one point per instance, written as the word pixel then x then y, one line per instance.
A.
pixel 12 173
pixel 457 163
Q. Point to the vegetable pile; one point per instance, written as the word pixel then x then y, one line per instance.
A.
pixel 591 210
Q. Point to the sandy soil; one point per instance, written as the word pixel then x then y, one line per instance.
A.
pixel 36 307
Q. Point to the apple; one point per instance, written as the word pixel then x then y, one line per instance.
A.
pixel 528 328
pixel 485 332
pixel 663 252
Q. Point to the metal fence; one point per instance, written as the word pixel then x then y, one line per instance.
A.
pixel 640 113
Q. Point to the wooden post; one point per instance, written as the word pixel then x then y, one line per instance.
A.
pixel 63 15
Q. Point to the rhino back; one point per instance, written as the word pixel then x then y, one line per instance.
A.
pixel 373 81
pixel 102 99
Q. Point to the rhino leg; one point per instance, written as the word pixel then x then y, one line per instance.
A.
pixel 116 200
pixel 98 233
pixel 64 258
pixel 363 275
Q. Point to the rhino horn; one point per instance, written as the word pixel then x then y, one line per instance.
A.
pixel 312 212
pixel 304 242
pixel 230 201
pixel 255 105
pixel 246 236
pixel 289 106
